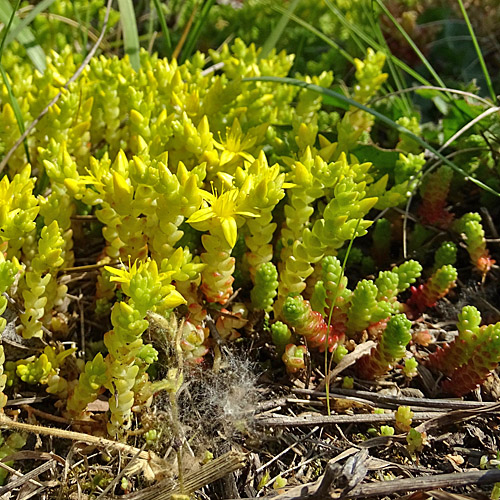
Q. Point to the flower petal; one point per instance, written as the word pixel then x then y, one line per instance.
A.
pixel 201 215
pixel 174 299
pixel 208 196
pixel 247 156
pixel 226 157
pixel 247 214
pixel 122 275
pixel 226 178
pixel 230 230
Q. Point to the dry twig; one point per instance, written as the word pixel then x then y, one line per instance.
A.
pixel 28 477
pixel 309 420
pixel 383 488
pixel 193 481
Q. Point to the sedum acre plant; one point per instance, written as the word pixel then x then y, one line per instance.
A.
pixel 471 357
pixel 217 197
pixel 435 288
pixel 335 313
pixel 434 192
pixel 391 348
pixel 469 225
pixel 297 313
pixel 128 357
pixel 190 152
pixel 446 254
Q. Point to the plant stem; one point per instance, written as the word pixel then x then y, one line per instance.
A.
pixel 478 52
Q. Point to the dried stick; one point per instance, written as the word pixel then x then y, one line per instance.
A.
pixel 28 477
pixel 309 420
pixel 425 483
pixel 193 481
pixel 455 416
pixel 384 488
pixel 79 436
pixel 443 404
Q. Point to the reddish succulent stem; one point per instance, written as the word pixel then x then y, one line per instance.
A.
pixel 435 288
pixel 471 375
pixel 481 361
pixel 311 324
pixel 372 365
pixel 317 332
pixel 444 359
pixel 432 209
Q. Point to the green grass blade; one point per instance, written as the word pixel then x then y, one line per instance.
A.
pixel 275 35
pixel 316 32
pixel 412 44
pixel 44 5
pixel 374 44
pixel 383 48
pixel 393 69
pixel 13 100
pixel 433 87
pixel 25 37
pixel 130 34
pixel 164 28
pixel 478 52
pixel 356 33
pixel 17 110
pixel 83 32
pixel 376 114
pixel 8 23
pixel 194 33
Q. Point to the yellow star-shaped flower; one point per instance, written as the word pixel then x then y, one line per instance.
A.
pixel 221 210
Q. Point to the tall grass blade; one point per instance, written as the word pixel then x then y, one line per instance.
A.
pixel 17 110
pixel 376 114
pixel 478 52
pixel 164 28
pixel 130 34
pixel 394 70
pixel 13 100
pixel 316 32
pixel 83 32
pixel 186 30
pixel 374 44
pixel 470 95
pixel 43 5
pixel 411 43
pixel 195 32
pixel 276 33
pixel 25 37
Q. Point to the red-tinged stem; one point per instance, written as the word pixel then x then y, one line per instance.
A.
pixel 298 313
